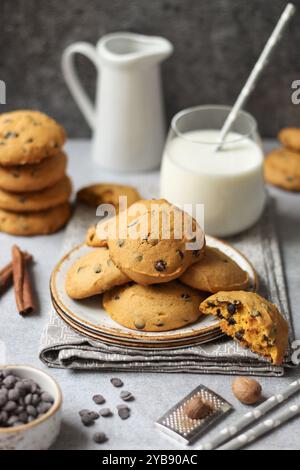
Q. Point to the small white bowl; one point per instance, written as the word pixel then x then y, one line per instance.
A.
pixel 41 433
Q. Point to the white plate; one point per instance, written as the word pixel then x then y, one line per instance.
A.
pixel 89 315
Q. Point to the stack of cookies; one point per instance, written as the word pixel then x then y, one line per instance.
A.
pixel 154 282
pixel 34 188
pixel 282 166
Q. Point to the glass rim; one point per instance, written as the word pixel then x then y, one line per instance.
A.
pixel 251 119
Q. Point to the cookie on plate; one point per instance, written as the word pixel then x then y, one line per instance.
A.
pixel 282 169
pixel 215 272
pixel 98 194
pixel 28 136
pixel 252 321
pixel 37 201
pixel 290 138
pixel 93 240
pixel 35 223
pixel 161 307
pixel 160 242
pixel 29 178
pixel 93 274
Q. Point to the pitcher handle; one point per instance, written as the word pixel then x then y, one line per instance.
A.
pixel 71 77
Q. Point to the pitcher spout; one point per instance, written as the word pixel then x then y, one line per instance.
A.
pixel 128 48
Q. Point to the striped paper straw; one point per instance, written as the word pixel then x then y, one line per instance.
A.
pixel 252 416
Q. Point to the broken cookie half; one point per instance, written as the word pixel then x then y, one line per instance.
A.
pixel 251 320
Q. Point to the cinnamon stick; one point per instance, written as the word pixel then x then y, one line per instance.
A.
pixel 6 274
pixel 22 285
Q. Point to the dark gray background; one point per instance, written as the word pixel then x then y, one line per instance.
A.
pixel 216 44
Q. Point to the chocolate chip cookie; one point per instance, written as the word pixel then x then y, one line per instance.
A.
pixel 161 307
pixel 37 201
pixel 215 272
pixel 158 244
pixel 93 240
pixel 252 321
pixel 29 178
pixel 98 194
pixel 93 274
pixel 282 169
pixel 27 137
pixel 35 223
pixel 290 138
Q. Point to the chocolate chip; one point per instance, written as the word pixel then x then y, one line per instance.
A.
pixel 47 397
pixel 231 321
pixel 126 396
pixel 97 269
pixel 28 399
pixel 81 268
pixel 186 297
pixel 83 412
pixel 10 135
pixel 123 412
pixel 120 243
pixel 31 410
pixel 94 415
pixel 211 304
pixel 196 253
pixel 160 265
pixel 105 412
pixel 153 242
pixel 116 382
pixel 98 399
pixel 219 314
pixel 43 407
pixel 14 395
pixel 116 297
pixel 10 406
pixel 99 437
pixel 240 335
pixel 255 314
pixel 231 308
pixel 10 381
pixel 138 257
pixel 87 420
pixel 180 253
pixel 139 324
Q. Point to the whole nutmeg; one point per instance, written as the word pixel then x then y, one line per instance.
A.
pixel 247 391
pixel 197 408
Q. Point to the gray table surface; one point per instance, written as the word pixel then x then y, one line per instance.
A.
pixel 155 393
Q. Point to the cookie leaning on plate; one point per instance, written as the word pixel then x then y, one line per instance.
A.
pixel 37 201
pixel 148 255
pixel 92 274
pixel 28 137
pixel 290 138
pixel 98 194
pixel 35 177
pixel 215 272
pixel 154 308
pixel 93 240
pixel 252 321
pixel 35 223
pixel 282 169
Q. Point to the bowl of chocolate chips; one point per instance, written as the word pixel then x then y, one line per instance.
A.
pixel 30 408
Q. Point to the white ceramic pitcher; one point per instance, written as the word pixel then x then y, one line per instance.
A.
pixel 128 120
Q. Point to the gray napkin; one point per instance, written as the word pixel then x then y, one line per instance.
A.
pixel 62 347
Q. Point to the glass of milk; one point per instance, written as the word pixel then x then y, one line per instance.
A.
pixel 228 183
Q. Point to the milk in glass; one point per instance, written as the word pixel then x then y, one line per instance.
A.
pixel 229 183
